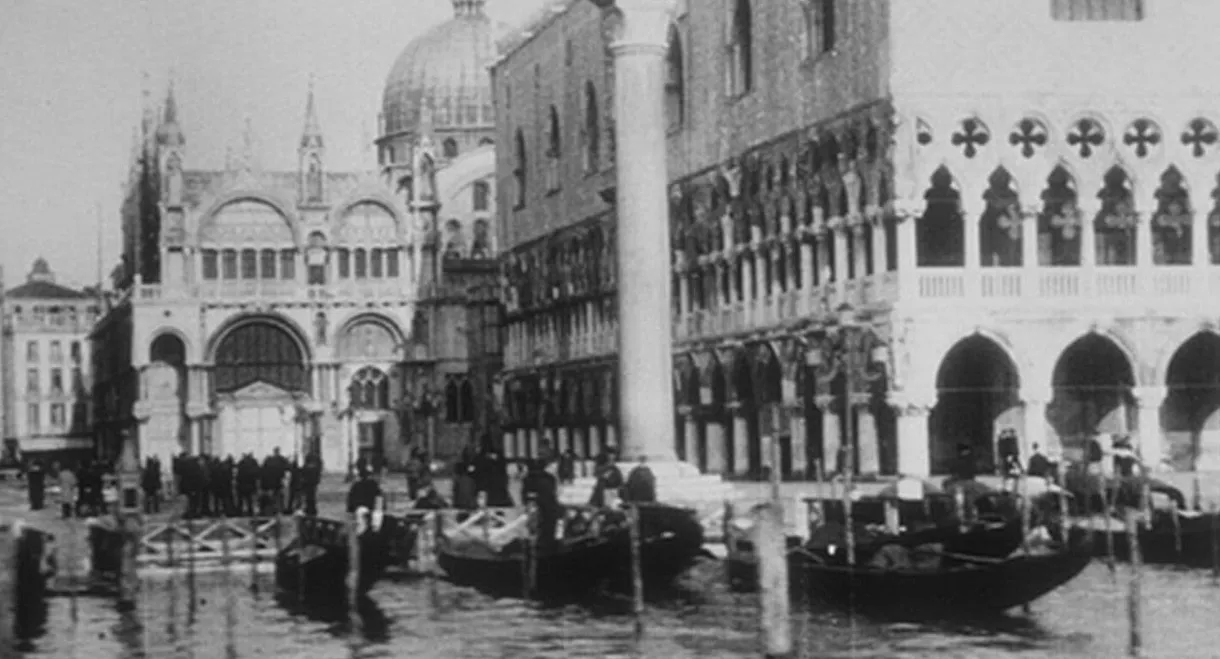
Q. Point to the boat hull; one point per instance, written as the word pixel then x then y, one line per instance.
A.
pixel 1190 546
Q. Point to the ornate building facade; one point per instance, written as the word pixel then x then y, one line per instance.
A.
pixel 45 362
pixel 310 310
pixel 1018 254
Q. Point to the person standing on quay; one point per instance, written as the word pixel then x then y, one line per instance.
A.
pixel 609 477
pixel 36 481
pixel 150 482
pixel 543 488
pixel 247 485
pixel 641 486
pixel 67 491
pixel 311 477
pixel 465 481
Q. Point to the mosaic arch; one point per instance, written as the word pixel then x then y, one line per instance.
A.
pixel 370 337
pixel 247 221
pixel 1092 383
pixel 167 348
pixel 258 348
pixel 1190 416
pixel 977 388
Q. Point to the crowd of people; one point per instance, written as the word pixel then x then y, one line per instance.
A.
pixel 229 487
pixel 83 487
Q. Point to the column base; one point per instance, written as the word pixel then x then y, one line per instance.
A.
pixel 678 483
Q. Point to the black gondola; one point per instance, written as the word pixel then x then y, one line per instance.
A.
pixel 973 585
pixel 316 562
pixel 593 553
pixel 1190 542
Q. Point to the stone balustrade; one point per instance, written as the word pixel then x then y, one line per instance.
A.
pixel 271 289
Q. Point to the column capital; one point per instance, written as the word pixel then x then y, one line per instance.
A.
pixel 905 404
pixel 640 23
pixel 1152 396
pixel 825 402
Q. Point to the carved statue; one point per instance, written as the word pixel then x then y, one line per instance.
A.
pixel 481 246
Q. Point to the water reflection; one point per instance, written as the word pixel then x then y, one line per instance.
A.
pixel 220 615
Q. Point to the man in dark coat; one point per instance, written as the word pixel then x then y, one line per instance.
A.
pixel 567 466
pixel 417 473
pixel 311 477
pixel 492 472
pixel 36 482
pixel 609 477
pixel 272 476
pixel 641 484
pixel 465 485
pixel 543 488
pixel 150 482
pixel 364 492
pixel 247 484
pixel 1039 465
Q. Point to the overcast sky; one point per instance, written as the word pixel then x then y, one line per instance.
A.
pixel 70 94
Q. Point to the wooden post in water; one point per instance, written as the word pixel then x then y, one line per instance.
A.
pixel 1025 512
pixel 1107 519
pixel 726 526
pixel 1177 530
pixel 1134 611
pixel 530 564
pixel 299 519
pixel 170 532
pixel 772 549
pixel 353 563
pixel 1215 530
pixel 8 586
pixel 254 554
pixel 637 577
pixel 190 558
pixel 1196 496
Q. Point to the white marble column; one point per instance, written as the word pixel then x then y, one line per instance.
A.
pixel 867 441
pixel 908 257
pixel 807 273
pixel 577 442
pixel 878 246
pixel 717 450
pixel 914 455
pixel 563 443
pixel 612 437
pixel 796 428
pixel 741 442
pixel 1151 443
pixel 595 441
pixel 642 239
pixel 523 442
pixel 1089 208
pixel 832 432
pixel 690 438
pixel 196 435
pixel 683 293
pixel 509 448
pixel 860 252
pixel 532 445
pixel 841 253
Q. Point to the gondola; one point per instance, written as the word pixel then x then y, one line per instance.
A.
pixel 316 561
pixel 591 552
pixel 942 583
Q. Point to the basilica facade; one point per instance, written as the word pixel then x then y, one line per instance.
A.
pixel 310 310
pixel 1024 242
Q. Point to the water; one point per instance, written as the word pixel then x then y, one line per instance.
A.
pixel 425 618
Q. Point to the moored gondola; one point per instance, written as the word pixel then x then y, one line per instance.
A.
pixel 591 551
pixel 316 561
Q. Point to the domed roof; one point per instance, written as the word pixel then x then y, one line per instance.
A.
pixel 444 72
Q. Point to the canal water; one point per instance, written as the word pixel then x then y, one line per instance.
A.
pixel 236 614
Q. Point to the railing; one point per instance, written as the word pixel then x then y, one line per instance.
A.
pixel 276 290
pixel 173 543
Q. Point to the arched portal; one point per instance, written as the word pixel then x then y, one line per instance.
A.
pixel 259 371
pixel 1092 381
pixel 976 389
pixel 1190 417
pixel 164 386
pixel 167 348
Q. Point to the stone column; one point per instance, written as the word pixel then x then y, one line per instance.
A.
pixel 914 457
pixel 509 448
pixel 1035 401
pixel 878 246
pixel 800 453
pixel 908 257
pixel 807 273
pixel 595 440
pixel 563 442
pixel 840 233
pixel 741 441
pixel 690 438
pixel 612 437
pixel 867 440
pixel 523 441
pixel 532 444
pixel 1200 254
pixel 196 435
pixel 1151 444
pixel 822 248
pixel 832 434
pixel 717 450
pixel 642 238
pixel 862 246
pixel 683 293
pixel 1089 208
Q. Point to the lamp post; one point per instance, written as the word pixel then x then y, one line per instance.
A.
pixel 850 348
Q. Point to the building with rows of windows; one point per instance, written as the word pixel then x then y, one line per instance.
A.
pixel 45 362
pixel 1029 238
pixel 313 310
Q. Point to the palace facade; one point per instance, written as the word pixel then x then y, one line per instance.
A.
pixel 45 366
pixel 312 310
pixel 1030 239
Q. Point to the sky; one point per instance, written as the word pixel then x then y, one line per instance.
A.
pixel 71 80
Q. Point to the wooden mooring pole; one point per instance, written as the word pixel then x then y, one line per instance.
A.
pixel 254 554
pixel 637 577
pixel 353 563
pixel 1135 640
pixel 772 549
pixel 9 534
pixel 1215 531
pixel 530 564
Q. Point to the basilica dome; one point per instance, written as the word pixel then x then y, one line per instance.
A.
pixel 444 73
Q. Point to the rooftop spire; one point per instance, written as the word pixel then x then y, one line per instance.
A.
pixel 171 107
pixel 468 7
pixel 312 136
pixel 169 132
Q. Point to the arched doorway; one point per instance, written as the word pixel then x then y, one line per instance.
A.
pixel 1190 417
pixel 258 374
pixel 370 396
pixel 165 433
pixel 1092 381
pixel 976 390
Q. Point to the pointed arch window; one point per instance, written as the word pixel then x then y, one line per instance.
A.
pixel 554 149
pixel 519 170
pixel 1115 223
pixel 940 233
pixel 370 389
pixel 1000 225
pixel 591 130
pixel 1171 225
pixel 480 194
pixel 739 49
pixel 1059 222
pixel 675 82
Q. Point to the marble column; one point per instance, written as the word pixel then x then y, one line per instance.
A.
pixel 1151 443
pixel 800 453
pixel 612 437
pixel 878 246
pixel 914 456
pixel 595 441
pixel 717 450
pixel 867 441
pixel 196 435
pixel 532 444
pixel 1034 402
pixel 642 239
pixel 509 448
pixel 741 442
pixel 841 253
pixel 908 257
pixel 523 442
pixel 690 438
pixel 577 441
pixel 563 443
pixel 807 273
pixel 832 433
